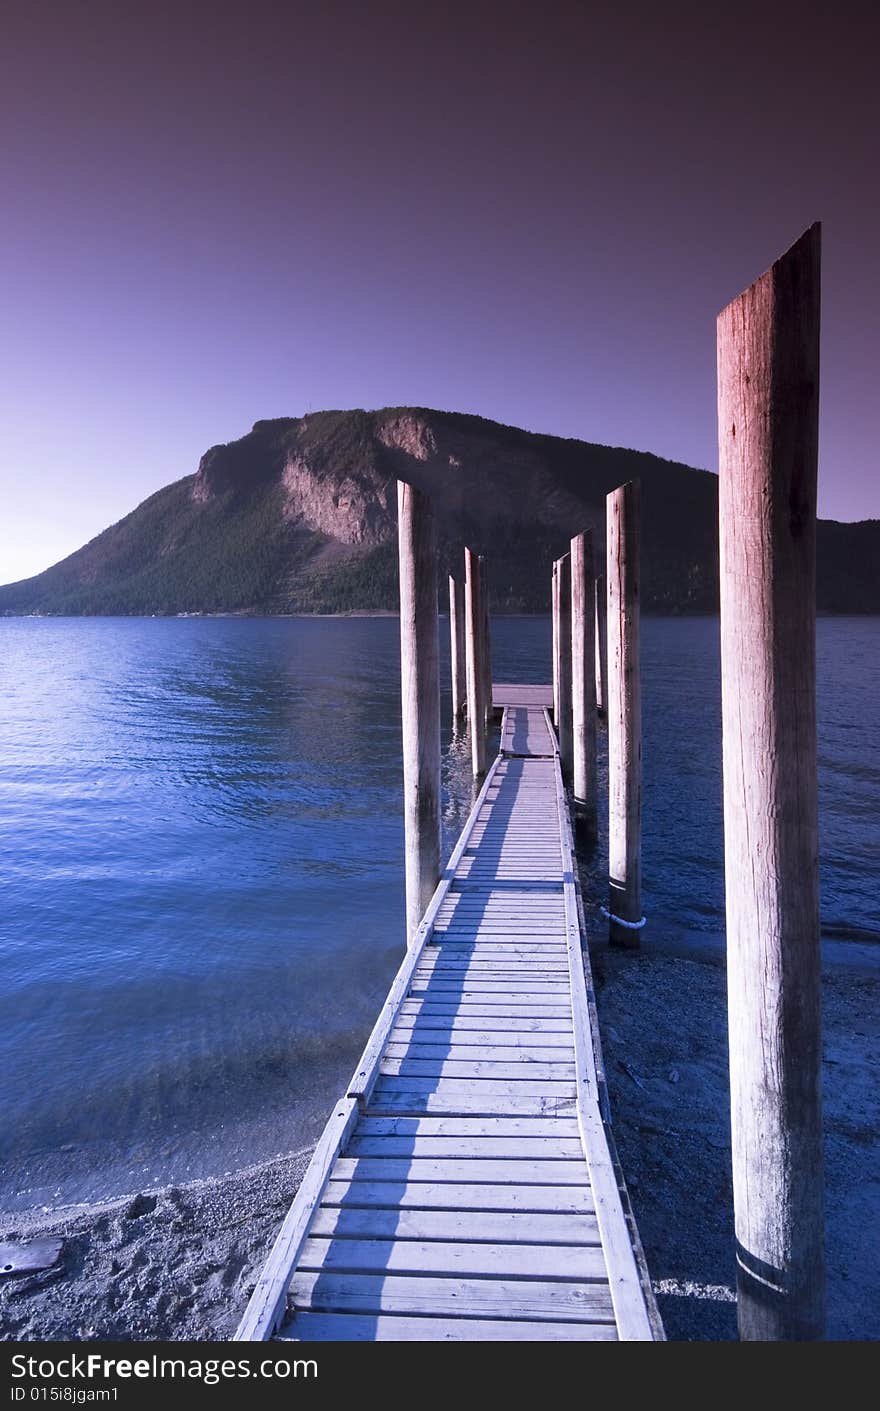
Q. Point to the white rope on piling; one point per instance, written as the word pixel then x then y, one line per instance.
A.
pixel 619 921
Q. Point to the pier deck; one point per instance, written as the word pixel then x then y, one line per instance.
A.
pixel 464 1187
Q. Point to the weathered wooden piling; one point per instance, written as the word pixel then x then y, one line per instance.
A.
pixel 564 726
pixel 457 647
pixel 601 635
pixel 420 698
pixel 554 620
pixel 624 717
pixel 583 685
pixel 476 708
pixel 768 391
pixel 487 641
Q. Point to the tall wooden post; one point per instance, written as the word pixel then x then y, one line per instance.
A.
pixel 476 710
pixel 420 697
pixel 583 684
pixel 457 647
pixel 601 633
pixel 487 642
pixel 624 717
pixel 554 619
pixel 768 399
pixel 564 731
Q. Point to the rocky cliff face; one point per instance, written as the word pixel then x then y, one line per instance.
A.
pixel 300 516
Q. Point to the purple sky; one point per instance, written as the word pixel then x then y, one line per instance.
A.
pixel 216 213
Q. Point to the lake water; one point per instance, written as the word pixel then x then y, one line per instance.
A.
pixel 202 875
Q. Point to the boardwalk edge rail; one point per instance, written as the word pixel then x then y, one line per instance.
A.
pixel 638 1318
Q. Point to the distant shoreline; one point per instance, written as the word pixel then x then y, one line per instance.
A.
pixel 353 613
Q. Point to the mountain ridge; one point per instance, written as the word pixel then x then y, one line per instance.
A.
pixel 299 515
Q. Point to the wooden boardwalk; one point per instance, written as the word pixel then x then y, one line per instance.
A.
pixel 465 1188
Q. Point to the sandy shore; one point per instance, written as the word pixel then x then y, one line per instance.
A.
pixel 180 1262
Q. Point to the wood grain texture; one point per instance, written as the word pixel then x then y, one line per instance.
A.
pixel 476 703
pixel 564 723
pixel 475 1226
pixel 401 1293
pixel 768 393
pixel 458 664
pixel 554 619
pixel 517 693
pixel 601 634
pixel 624 713
pixel 486 644
pixel 583 685
pixel 420 698
pixel 389 1327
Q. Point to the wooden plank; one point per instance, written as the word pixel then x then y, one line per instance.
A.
pixel 459 968
pixel 389 1327
pixel 465 996
pixel 508 951
pixel 472 1029
pixel 501 965
pixel 530 975
pixel 518 1148
pixel 439 985
pixel 471 1009
pixel 267 1303
pixel 458 1196
pixel 558 1070
pixel 528 926
pixel 415 1048
pixel 476 1038
pixel 503 937
pixel 520 927
pixel 528 933
pixel 537 906
pixel 472 1226
pixel 507 693
pixel 459 998
pixel 401 1293
pixel 518 1173
pixel 525 914
pixel 493 943
pixel 454 1258
pixel 518 916
pixel 461 980
pixel 536 911
pixel 468 1126
pixel 499 995
pixel 482 1104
